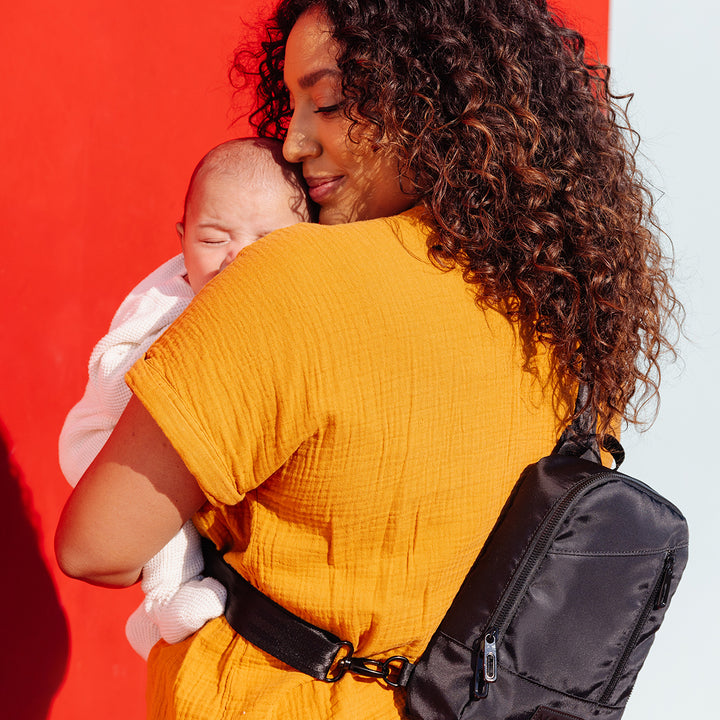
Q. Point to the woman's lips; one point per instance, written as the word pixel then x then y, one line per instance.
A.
pixel 320 188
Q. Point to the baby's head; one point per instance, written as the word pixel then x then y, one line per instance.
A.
pixel 239 192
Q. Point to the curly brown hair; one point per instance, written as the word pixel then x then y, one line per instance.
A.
pixel 524 159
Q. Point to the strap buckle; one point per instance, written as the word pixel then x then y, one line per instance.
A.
pixel 338 667
pixel 392 671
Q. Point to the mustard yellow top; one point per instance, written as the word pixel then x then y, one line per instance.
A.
pixel 356 422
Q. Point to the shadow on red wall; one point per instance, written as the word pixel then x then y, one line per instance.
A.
pixel 35 641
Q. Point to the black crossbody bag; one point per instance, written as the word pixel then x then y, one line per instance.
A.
pixel 554 619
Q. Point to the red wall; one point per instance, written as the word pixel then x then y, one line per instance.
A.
pixel 106 107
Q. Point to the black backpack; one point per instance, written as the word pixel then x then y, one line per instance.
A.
pixel 553 621
pixel 558 613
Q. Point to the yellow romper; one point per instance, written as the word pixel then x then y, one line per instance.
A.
pixel 356 422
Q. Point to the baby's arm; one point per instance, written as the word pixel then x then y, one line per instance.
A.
pixel 178 600
pixel 142 317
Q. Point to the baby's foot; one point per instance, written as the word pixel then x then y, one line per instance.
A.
pixel 196 602
pixel 142 633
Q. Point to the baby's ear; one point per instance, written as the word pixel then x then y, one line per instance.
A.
pixel 180 229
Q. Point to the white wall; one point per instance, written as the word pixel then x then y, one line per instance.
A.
pixel 666 52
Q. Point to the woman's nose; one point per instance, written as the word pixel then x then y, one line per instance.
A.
pixel 299 143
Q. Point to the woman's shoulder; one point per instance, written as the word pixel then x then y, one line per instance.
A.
pixel 405 226
pixel 324 265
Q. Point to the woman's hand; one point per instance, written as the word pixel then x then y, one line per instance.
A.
pixel 131 501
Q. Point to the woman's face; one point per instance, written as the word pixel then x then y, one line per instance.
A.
pixel 348 180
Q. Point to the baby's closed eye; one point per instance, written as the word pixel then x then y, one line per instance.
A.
pixel 215 241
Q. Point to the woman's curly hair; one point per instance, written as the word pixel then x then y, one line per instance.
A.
pixel 514 143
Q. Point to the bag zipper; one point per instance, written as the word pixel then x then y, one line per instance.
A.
pixel 486 668
pixel 658 599
pixel 500 619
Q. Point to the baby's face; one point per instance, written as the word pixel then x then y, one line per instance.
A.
pixel 226 213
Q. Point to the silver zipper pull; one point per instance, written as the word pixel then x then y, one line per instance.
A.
pixel 490 656
pixel 485 664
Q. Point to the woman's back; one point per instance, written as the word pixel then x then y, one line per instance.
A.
pixel 376 419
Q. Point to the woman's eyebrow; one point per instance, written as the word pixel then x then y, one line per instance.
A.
pixel 307 81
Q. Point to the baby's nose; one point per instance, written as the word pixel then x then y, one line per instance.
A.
pixel 228 259
pixel 232 253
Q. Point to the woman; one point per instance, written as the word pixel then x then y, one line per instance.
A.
pixel 350 442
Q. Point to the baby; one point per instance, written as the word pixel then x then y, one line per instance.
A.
pixel 239 192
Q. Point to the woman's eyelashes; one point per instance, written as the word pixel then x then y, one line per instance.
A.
pixel 328 109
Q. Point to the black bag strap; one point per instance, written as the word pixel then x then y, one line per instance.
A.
pixel 580 438
pixel 287 637
pixel 317 652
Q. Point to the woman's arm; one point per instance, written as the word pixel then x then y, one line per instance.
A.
pixel 131 501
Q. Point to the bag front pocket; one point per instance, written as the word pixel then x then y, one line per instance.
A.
pixel 643 632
